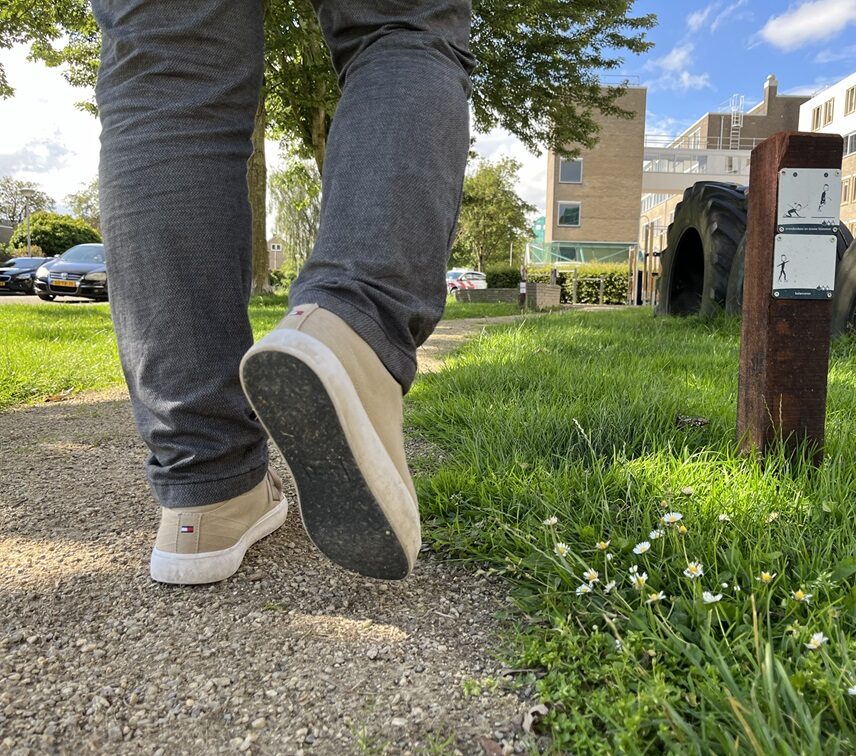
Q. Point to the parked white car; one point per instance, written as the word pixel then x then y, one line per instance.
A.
pixel 462 278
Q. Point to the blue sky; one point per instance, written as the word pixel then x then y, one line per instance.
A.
pixel 709 50
pixel 704 52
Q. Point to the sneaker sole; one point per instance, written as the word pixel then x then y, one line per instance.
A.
pixel 213 566
pixel 353 503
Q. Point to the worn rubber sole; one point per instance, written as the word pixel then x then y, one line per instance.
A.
pixel 353 503
pixel 213 566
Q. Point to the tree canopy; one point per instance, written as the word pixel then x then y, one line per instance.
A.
pixel 13 203
pixel 493 216
pixel 539 74
pixel 84 204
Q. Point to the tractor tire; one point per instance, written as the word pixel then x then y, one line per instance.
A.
pixel 844 298
pixel 709 223
pixel 734 298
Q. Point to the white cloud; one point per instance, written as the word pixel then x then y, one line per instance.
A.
pixel 532 184
pixel 674 73
pixel 726 13
pixel 806 22
pixel 836 54
pixel 696 20
pixel 46 139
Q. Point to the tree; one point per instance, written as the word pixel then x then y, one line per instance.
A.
pixel 492 216
pixel 84 204
pixel 295 201
pixel 13 204
pixel 53 233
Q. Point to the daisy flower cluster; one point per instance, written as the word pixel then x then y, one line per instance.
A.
pixel 650 553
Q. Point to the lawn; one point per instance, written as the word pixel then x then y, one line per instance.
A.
pixel 46 349
pixel 670 594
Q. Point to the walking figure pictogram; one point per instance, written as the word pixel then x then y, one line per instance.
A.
pixel 783 276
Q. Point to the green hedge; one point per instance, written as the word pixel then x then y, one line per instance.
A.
pixel 502 277
pixel 615 275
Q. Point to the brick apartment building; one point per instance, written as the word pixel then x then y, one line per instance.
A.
pixel 593 201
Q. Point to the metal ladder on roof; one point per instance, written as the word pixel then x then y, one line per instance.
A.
pixel 738 102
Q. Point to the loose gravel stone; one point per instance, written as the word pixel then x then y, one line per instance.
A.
pixel 291 655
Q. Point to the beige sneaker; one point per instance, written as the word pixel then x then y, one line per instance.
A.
pixel 335 413
pixel 207 544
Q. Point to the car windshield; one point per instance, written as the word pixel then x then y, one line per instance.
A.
pixel 454 274
pixel 21 262
pixel 85 253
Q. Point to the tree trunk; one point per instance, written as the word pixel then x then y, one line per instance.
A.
pixel 319 136
pixel 257 185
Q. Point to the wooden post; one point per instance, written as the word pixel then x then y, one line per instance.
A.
pixel 784 348
pixel 574 288
pixel 600 292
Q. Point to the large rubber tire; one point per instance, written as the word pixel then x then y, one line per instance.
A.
pixel 734 298
pixel 701 243
pixel 844 299
pixel 45 297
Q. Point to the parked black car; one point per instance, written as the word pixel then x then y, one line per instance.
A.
pixel 17 274
pixel 77 272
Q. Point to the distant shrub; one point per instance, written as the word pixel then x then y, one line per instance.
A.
pixel 53 233
pixel 282 278
pixel 502 277
pixel 615 283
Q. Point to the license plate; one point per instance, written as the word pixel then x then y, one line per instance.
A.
pixel 66 284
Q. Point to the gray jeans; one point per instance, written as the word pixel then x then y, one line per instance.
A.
pixel 177 92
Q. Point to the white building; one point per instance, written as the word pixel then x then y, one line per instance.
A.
pixel 833 111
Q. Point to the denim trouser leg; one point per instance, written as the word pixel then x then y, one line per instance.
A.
pixel 177 92
pixel 393 172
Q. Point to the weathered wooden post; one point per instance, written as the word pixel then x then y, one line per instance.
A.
pixel 600 293
pixel 574 288
pixel 794 201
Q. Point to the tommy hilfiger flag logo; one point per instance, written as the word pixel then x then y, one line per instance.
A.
pixel 186 529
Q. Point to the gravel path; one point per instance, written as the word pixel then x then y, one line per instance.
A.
pixel 290 656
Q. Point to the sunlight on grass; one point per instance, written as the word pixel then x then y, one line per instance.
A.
pixel 560 434
pixel 46 349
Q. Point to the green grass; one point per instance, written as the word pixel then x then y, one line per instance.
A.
pixel 573 417
pixel 49 348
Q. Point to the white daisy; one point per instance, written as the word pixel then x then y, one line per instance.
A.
pixel 766 577
pixel 655 534
pixel 638 579
pixel 641 548
pixel 772 517
pixel 602 545
pixel 590 576
pixel 710 598
pixel 655 597
pixel 800 596
pixel 634 568
pixel 584 588
pixel 852 690
pixel 609 587
pixel 816 641
pixel 724 518
pixel 561 549
pixel 670 518
pixel 609 557
pixel 550 521
pixel 694 570
pixel 687 491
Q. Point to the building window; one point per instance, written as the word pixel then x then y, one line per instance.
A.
pixel 828 111
pixel 850 143
pixel 850 101
pixel 571 171
pixel 569 214
pixel 815 118
pixel 276 247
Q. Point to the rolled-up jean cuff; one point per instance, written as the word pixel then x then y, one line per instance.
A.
pixel 401 365
pixel 198 494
